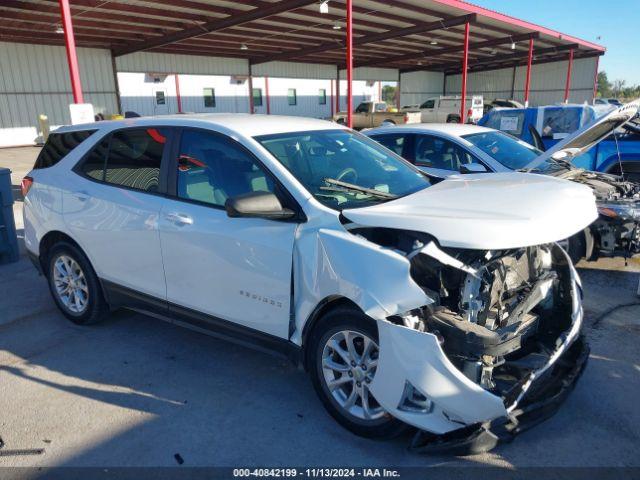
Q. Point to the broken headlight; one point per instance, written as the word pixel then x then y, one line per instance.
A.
pixel 619 210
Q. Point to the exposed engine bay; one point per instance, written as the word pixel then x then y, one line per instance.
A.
pixel 617 230
pixel 498 315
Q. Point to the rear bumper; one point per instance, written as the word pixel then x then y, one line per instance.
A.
pixel 541 401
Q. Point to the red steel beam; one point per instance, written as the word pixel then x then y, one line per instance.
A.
pixel 527 83
pixel 350 63
pixel 465 64
pixel 72 56
pixel 567 86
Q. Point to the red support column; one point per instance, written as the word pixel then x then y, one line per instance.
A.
pixel 178 98
pixel 527 83
pixel 72 57
pixel 337 89
pixel 350 63
pixel 568 84
pixel 250 84
pixel 331 98
pixel 465 66
pixel 266 93
pixel 595 79
pixel 398 91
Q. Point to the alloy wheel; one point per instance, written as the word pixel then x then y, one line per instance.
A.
pixel 349 362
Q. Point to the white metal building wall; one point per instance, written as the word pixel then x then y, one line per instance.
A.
pixel 138 94
pixel 174 63
pixel 34 79
pixel 416 87
pixel 547 82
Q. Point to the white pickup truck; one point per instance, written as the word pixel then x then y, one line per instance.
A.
pixel 375 114
pixel 447 109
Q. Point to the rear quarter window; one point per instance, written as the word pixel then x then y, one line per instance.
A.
pixel 58 146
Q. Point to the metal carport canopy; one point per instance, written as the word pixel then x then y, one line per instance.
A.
pixel 406 35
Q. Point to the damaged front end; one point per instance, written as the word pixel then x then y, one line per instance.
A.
pixel 496 349
pixel 616 232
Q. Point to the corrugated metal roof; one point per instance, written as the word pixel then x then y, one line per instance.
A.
pixel 396 34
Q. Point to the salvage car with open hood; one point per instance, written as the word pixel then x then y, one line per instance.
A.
pixel 444 305
pixel 445 150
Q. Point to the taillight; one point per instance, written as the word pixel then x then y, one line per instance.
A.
pixel 406 118
pixel 25 185
pixel 470 113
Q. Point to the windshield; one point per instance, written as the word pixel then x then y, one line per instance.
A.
pixel 344 169
pixel 509 151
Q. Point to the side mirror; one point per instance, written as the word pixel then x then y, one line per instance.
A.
pixel 257 205
pixel 473 168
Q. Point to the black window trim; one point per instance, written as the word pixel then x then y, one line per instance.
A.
pixel 162 178
pixel 288 201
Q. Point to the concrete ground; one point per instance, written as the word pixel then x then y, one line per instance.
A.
pixel 135 391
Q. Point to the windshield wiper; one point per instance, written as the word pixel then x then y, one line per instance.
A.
pixel 340 186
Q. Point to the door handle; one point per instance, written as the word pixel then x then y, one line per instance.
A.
pixel 179 218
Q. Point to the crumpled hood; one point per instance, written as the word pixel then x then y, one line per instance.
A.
pixel 502 210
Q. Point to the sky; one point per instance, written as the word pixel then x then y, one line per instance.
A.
pixel 616 23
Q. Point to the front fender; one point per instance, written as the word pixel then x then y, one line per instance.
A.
pixel 332 262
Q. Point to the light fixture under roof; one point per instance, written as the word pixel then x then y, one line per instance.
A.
pixel 433 42
pixel 243 46
pixel 59 30
pixel 336 25
pixel 324 6
pixel 513 45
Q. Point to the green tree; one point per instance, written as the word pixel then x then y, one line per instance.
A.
pixel 389 94
pixel 604 86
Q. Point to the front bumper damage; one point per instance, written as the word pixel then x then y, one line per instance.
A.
pixel 456 414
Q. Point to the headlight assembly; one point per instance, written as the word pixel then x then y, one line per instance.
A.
pixel 619 210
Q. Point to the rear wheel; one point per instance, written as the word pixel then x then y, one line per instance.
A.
pixel 453 119
pixel 74 285
pixel 342 358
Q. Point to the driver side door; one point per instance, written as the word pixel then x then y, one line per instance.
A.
pixel 220 269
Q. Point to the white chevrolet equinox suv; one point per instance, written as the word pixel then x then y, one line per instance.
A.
pixel 441 304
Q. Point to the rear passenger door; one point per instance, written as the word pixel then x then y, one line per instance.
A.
pixel 220 268
pixel 113 211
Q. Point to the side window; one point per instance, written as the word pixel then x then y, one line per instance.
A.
pixel 322 96
pixel 213 168
pixel 58 146
pixel 428 104
pixel 436 152
pixel 134 158
pixel 394 142
pixel 509 121
pixel 560 122
pixel 209 96
pixel 257 97
pixel 291 96
pixel 93 165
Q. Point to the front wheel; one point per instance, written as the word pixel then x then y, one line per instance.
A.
pixel 342 359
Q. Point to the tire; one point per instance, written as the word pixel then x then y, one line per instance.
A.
pixel 387 123
pixel 86 304
pixel 576 247
pixel 453 119
pixel 380 424
pixel 341 121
